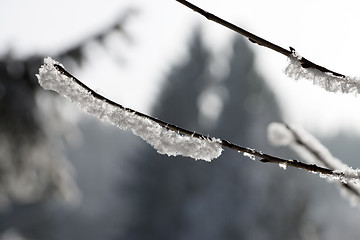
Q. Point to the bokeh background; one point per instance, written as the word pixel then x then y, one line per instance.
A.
pixel 67 175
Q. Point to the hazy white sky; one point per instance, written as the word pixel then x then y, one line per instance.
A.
pixel 325 32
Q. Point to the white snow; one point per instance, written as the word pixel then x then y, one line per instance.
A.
pixel 312 151
pixel 279 135
pixel 251 156
pixel 283 165
pixel 163 140
pixel 327 81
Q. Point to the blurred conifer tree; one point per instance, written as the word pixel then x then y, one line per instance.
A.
pixel 231 198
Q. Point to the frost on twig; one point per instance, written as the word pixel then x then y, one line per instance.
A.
pixel 52 77
pixel 300 67
pixel 312 151
pixel 165 137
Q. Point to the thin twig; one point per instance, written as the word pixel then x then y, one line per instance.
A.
pixel 266 158
pixel 305 63
pixel 320 158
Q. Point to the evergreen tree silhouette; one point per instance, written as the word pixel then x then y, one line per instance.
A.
pixel 178 198
pixel 22 132
pixel 163 185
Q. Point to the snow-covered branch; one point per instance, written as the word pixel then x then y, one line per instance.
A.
pixel 164 137
pixel 299 67
pixel 312 151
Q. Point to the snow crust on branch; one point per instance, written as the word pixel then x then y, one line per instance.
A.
pixel 304 144
pixel 326 80
pixel 312 151
pixel 165 141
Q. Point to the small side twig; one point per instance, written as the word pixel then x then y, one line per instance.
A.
pixel 320 158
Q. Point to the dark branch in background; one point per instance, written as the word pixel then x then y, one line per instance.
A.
pixel 25 68
pixel 321 159
pixel 19 119
pixel 76 52
pixel 258 40
pixel 266 158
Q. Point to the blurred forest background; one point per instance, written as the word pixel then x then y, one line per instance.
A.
pixel 66 175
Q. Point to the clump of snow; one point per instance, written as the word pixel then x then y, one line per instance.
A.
pixel 328 81
pixel 283 165
pixel 348 174
pixel 163 140
pixel 249 155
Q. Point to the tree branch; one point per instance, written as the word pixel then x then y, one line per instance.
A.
pixel 305 63
pixel 252 37
pixel 320 158
pixel 265 158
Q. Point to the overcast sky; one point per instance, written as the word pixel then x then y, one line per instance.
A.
pixel 325 32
